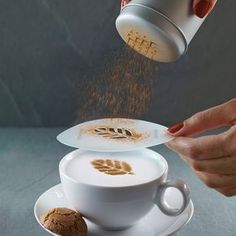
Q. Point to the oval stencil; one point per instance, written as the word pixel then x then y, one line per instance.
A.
pixel 115 135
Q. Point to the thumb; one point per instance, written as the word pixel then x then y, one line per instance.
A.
pixel 214 117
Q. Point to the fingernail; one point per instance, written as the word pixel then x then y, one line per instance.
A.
pixel 203 8
pixel 175 128
pixel 124 2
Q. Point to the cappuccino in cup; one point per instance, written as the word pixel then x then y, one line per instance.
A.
pixel 117 189
pixel 113 169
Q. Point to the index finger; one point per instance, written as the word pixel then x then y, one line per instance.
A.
pixel 215 117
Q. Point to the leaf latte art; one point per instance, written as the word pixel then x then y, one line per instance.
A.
pixel 112 167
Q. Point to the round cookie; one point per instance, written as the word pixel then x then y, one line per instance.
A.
pixel 65 222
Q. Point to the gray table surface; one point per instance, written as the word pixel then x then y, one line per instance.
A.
pixel 28 166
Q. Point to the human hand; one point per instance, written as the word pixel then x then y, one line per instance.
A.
pixel 212 157
pixel 201 8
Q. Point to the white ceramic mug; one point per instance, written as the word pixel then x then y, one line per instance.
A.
pixel 115 208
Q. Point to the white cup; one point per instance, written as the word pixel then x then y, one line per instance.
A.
pixel 115 208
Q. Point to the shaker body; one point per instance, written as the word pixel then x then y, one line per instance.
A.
pixel 179 12
pixel 159 29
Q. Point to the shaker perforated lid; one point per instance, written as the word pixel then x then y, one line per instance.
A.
pixel 115 135
pixel 151 33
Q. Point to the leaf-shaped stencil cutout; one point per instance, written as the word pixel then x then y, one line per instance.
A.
pixel 116 133
pixel 112 167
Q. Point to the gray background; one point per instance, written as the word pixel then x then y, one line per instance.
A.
pixel 50 50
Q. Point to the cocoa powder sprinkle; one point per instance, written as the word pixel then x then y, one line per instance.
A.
pixel 124 90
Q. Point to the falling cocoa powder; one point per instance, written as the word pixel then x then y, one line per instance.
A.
pixel 124 90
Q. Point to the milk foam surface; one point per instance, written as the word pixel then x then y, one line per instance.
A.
pixel 146 166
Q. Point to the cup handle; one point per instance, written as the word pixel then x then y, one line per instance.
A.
pixel 163 205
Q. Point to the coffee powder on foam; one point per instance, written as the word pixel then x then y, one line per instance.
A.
pixel 124 90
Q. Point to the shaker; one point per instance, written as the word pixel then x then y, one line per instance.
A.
pixel 161 30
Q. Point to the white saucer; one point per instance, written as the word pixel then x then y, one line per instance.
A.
pixel 154 224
